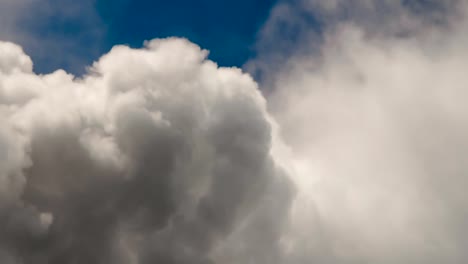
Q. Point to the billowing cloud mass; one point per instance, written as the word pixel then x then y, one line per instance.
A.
pixel 355 153
pixel 371 100
pixel 156 156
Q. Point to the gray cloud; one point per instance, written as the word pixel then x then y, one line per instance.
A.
pixel 155 156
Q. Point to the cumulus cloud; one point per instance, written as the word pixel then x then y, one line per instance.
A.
pixel 155 156
pixel 371 102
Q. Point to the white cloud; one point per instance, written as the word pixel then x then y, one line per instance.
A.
pixel 376 123
pixel 158 155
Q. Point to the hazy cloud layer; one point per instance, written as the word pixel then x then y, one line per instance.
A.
pixel 72 29
pixel 373 109
pixel 156 156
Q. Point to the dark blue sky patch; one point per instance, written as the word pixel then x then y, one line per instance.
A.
pixel 226 28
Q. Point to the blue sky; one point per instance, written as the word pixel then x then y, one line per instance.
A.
pixel 79 33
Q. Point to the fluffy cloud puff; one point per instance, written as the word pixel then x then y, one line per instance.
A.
pixel 155 156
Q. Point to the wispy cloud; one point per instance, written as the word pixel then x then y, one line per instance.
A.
pixel 372 109
pixel 72 29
